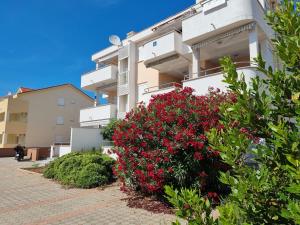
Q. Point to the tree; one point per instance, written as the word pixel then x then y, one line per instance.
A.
pixel 270 192
pixel 260 138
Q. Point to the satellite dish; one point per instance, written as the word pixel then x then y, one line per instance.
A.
pixel 115 40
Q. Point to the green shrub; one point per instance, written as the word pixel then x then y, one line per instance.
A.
pixel 82 169
pixel 265 122
pixel 191 206
pixel 108 131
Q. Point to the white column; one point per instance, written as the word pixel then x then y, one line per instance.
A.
pixel 196 63
pixel 52 151
pixel 132 76
pixel 190 71
pixel 253 45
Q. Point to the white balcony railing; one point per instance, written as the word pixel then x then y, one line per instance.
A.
pixel 162 87
pixel 123 78
pixel 123 87
pixel 169 45
pixel 100 77
pixel 217 16
pixel 99 115
pixel 156 90
pixel 213 78
pixel 215 70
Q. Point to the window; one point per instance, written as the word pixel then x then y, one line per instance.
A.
pixel 154 43
pixel 12 139
pixel 60 120
pixel 2 116
pixel 18 117
pixel 61 102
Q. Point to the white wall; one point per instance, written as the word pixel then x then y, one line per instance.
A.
pixel 64 150
pixel 201 85
pixel 226 16
pixel 141 91
pixel 267 53
pixel 90 80
pixel 165 45
pixel 85 139
pixel 97 114
pixel 146 97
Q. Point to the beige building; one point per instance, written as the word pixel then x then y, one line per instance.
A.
pixel 42 117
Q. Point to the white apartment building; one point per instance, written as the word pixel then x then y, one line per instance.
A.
pixel 181 50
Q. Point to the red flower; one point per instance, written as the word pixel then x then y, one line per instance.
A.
pixel 213 195
pixel 203 137
pixel 170 170
pixel 160 172
pixel 144 144
pixel 198 156
pixel 166 159
pixel 150 167
pixel 151 141
pixel 171 150
pixel 203 174
pixel 120 168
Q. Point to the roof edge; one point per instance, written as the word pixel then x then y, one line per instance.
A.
pixel 57 86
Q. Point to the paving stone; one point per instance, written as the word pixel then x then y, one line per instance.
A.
pixel 29 199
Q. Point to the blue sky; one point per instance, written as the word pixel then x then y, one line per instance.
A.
pixel 45 43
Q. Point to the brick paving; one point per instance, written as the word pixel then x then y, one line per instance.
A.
pixel 27 198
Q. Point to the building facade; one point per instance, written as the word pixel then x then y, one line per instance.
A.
pixel 42 117
pixel 182 50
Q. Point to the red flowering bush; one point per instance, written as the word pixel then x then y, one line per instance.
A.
pixel 165 143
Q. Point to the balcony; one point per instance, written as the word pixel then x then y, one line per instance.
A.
pixel 123 87
pixel 16 127
pixel 214 78
pixel 161 89
pixel 163 50
pixel 219 16
pixel 97 116
pixel 99 78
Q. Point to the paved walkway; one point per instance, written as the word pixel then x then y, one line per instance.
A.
pixel 27 198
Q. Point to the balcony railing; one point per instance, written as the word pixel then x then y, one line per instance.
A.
pixel 215 16
pixel 123 78
pixel 98 115
pixel 216 70
pixel 100 77
pixel 157 90
pixel 163 86
pixel 168 46
pixel 215 79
